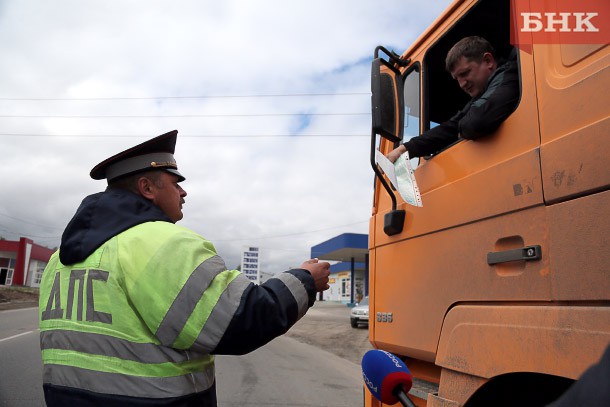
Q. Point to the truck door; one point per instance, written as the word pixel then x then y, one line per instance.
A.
pixel 482 213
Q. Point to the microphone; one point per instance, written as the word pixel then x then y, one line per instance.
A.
pixel 387 377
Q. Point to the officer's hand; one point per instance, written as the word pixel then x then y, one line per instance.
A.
pixel 319 271
pixel 397 152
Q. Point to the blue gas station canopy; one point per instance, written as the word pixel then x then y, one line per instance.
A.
pixel 343 248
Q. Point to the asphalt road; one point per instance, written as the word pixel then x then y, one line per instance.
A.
pixel 21 367
pixel 326 326
pixel 288 373
pixel 316 364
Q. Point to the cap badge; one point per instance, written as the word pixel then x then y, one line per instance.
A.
pixel 163 164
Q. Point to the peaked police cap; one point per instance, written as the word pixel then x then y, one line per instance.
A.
pixel 154 154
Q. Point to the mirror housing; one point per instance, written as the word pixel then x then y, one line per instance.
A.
pixel 387 101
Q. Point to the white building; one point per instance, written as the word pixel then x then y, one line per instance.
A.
pixel 340 282
pixel 250 264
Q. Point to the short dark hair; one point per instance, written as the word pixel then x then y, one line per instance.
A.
pixel 130 182
pixel 472 48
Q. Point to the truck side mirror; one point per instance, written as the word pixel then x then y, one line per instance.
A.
pixel 387 105
pixel 386 100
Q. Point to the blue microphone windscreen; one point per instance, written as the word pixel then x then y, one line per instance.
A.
pixel 382 373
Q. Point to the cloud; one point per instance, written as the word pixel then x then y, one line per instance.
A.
pixel 266 165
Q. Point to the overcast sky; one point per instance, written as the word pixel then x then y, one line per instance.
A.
pixel 271 100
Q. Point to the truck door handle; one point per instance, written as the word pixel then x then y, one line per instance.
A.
pixel 528 253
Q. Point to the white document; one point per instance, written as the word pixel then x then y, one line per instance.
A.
pixel 401 176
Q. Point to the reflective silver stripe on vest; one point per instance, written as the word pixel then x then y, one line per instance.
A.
pixel 134 386
pixel 96 344
pixel 221 315
pixel 187 299
pixel 298 291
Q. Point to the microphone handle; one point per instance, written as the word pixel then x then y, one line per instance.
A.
pixel 403 398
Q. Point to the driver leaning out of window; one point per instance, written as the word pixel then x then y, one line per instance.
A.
pixel 493 87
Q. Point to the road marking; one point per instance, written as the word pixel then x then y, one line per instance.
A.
pixel 18 335
pixel 6 311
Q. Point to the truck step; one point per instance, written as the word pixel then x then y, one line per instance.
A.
pixel 421 388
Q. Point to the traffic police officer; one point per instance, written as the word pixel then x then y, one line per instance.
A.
pixel 133 307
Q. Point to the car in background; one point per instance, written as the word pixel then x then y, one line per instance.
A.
pixel 360 313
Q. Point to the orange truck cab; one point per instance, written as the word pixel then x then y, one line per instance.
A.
pixel 498 287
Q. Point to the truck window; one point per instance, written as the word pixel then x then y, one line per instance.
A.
pixel 412 106
pixel 411 94
pixel 443 97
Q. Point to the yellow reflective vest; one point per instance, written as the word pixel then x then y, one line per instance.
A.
pixel 141 316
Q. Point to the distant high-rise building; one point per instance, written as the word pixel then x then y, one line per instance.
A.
pixel 250 264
